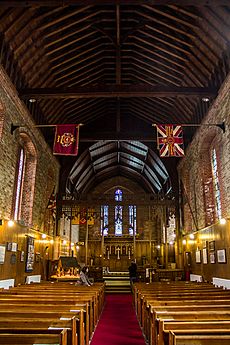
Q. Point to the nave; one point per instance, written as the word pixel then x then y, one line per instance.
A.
pixel 114 147
pixel 118 324
pixel 158 313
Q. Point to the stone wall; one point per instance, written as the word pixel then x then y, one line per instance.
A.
pixel 193 170
pixel 47 167
pixel 45 177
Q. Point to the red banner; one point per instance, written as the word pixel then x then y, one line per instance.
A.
pixel 66 140
pixel 170 140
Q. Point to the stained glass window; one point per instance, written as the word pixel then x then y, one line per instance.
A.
pixel 18 195
pixel 216 185
pixel 104 220
pixel 118 220
pixel 118 195
pixel 132 220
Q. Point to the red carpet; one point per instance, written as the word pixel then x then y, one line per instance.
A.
pixel 118 324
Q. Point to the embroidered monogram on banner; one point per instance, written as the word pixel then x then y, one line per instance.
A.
pixel 66 140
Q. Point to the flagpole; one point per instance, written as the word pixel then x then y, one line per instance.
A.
pixel 14 127
pixel 220 125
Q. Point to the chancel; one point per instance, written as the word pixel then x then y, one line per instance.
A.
pixel 114 172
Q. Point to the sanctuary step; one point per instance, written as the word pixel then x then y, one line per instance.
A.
pixel 117 282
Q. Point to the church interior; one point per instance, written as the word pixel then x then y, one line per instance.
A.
pixel 114 139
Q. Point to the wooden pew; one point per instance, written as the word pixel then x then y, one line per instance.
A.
pixel 42 325
pixel 53 302
pixel 65 297
pixel 199 339
pixel 48 311
pixel 165 326
pixel 183 316
pixel 31 337
pixel 178 302
pixel 96 293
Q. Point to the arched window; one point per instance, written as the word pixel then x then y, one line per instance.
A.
pixel 118 195
pixel 118 220
pixel 132 220
pixel 118 213
pixel 19 184
pixel 124 218
pixel 25 181
pixel 210 163
pixel 216 185
pixel 104 220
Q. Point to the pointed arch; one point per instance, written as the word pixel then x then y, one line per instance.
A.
pixel 25 180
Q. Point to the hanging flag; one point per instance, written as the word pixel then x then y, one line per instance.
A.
pixel 170 140
pixel 66 140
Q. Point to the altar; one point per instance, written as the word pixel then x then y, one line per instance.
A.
pixel 118 253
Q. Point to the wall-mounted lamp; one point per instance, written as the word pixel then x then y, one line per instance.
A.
pixel 223 221
pixel 191 236
pixel 64 242
pixel 10 223
pixel 44 236
pixel 184 242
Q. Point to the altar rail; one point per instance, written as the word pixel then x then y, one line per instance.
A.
pixel 33 279
pixel 196 278
pixel 6 283
pixel 221 282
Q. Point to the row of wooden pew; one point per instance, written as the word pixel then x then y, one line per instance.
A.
pixel 183 313
pixel 50 313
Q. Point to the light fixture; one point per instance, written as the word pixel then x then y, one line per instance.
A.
pixel 222 221
pixel 10 223
pixel 32 100
pixel 171 242
pixel 64 242
pixel 158 247
pixel 184 241
pixel 191 236
pixel 43 236
pixel 77 247
pixel 205 99
pixel 51 241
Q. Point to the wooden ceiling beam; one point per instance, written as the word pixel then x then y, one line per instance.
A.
pixel 116 91
pixel 114 136
pixel 54 3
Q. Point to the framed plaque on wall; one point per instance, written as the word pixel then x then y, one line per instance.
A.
pixel 30 255
pixel 2 253
pixel 221 256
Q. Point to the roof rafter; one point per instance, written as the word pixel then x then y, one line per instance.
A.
pixel 117 91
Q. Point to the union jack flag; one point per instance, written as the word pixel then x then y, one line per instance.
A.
pixel 170 140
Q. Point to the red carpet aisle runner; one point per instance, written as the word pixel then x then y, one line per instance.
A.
pixel 118 324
